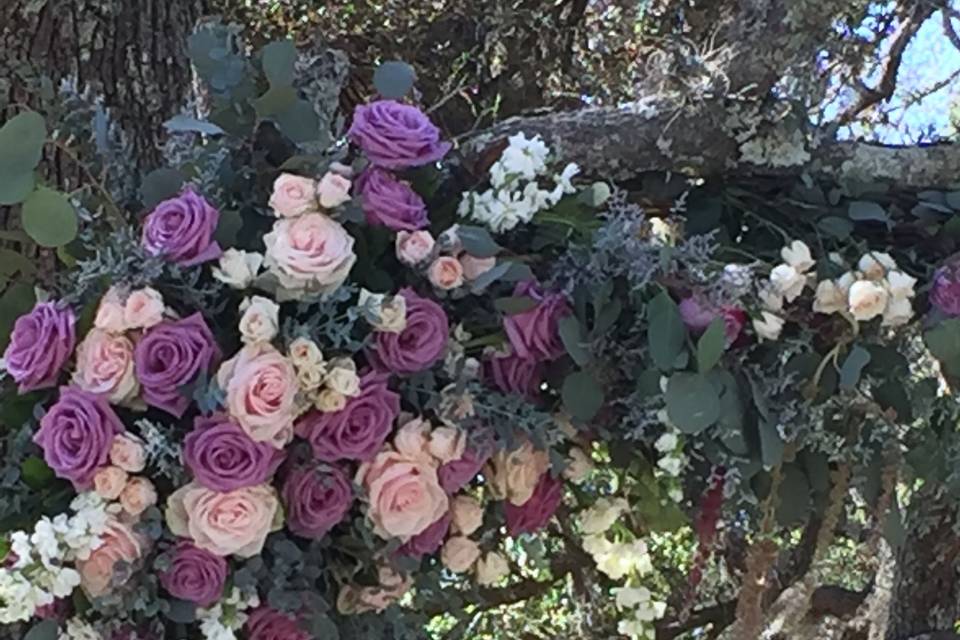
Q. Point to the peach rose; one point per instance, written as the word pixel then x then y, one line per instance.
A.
pixel 447 444
pixel 414 247
pixel 309 254
pixel 459 553
pixel 260 320
pixel 474 267
pixel 119 544
pixel 261 388
pixel 513 475
pixel 143 309
pixel 293 196
pixel 491 568
pixel 467 515
pixel 138 496
pixel 404 494
pixel 109 482
pixel 105 366
pixel 110 312
pixel 578 466
pixel 333 190
pixel 446 273
pixel 127 452
pixel 355 599
pixel 236 522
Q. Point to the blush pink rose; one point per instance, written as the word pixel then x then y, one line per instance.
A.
pixel 514 475
pixel 105 366
pixel 446 273
pixel 293 196
pixel 312 253
pixel 138 496
pixel 356 599
pixel 143 309
pixel 109 481
pixel 414 247
pixel 404 494
pixel 474 267
pixel 233 523
pixel 128 453
pixel 261 388
pixel 110 312
pixel 333 190
pixel 119 544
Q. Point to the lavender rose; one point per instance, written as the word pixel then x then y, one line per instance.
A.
pixel 534 333
pixel 181 230
pixel 390 202
pixel 222 456
pixel 945 292
pixel 456 474
pixel 395 135
pixel 40 345
pixel 195 575
pixel 358 431
pixel 316 499
pixel 169 356
pixel 534 514
pixel 427 541
pixel 513 374
pixel 76 435
pixel 269 624
pixel 420 344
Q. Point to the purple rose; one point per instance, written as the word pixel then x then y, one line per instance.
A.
pixel 456 474
pixel 421 344
pixel 945 292
pixel 269 624
pixel 428 540
pixel 534 333
pixel 40 344
pixel 181 230
pixel 316 499
pixel 223 457
pixel 76 434
pixel 358 431
pixel 697 314
pixel 169 356
pixel 395 135
pixel 534 514
pixel 513 374
pixel 195 575
pixel 390 202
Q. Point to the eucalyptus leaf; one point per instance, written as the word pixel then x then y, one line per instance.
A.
pixel 186 124
pixel 581 395
pixel 299 122
pixel 394 79
pixel 944 343
pixel 794 496
pixel 43 630
pixel 863 210
pixel 277 59
pixel 572 335
pixel 49 218
pixel 711 345
pixel 666 332
pixel 693 403
pixel 490 276
pixel 513 305
pixel 35 472
pixel 182 611
pixel 477 241
pixel 852 366
pixel 159 185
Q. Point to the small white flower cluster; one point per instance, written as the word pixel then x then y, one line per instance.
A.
pixel 787 281
pixel 77 629
pixel 39 573
pixel 643 608
pixel 226 617
pixel 876 288
pixel 672 461
pixel 616 559
pixel 324 384
pixel 515 195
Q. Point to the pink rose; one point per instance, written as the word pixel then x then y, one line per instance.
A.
pixel 459 553
pixel 447 444
pixel 355 599
pixel 474 267
pixel 333 190
pixel 127 452
pixel 467 514
pixel 404 494
pixel 110 312
pixel 120 544
pixel 138 496
pixel 513 475
pixel 293 196
pixel 236 522
pixel 261 387
pixel 105 366
pixel 312 253
pixel 108 482
pixel 446 273
pixel 413 438
pixel 414 247
pixel 143 309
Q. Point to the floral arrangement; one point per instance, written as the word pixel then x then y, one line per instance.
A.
pixel 386 383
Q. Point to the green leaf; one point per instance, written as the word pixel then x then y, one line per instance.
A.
pixel 16 186
pixel 394 79
pixel 17 300
pixel 513 305
pixel 665 333
pixel 35 473
pixel 863 210
pixel 276 100
pixel 228 227
pixel 771 444
pixel 944 343
pixel 581 394
pixel 299 122
pixel 160 184
pixel 477 241
pixel 43 630
pixel 49 218
pixel 277 59
pixel 794 496
pixel 571 333
pixel 693 403
pixel 852 366
pixel 21 147
pixel 606 317
pixel 839 228
pixel 711 345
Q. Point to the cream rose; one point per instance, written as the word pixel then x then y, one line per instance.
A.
pixel 414 247
pixel 305 352
pixel 467 515
pixel 513 475
pixel 105 366
pixel 238 269
pixel 874 265
pixel 333 190
pixel 110 312
pixel 491 568
pixel 119 544
pixel 232 523
pixel 578 466
pixel 329 401
pixel 829 298
pixel 260 320
pixel 404 494
pixel 384 313
pixel 898 312
pixel 446 273
pixel 342 377
pixel 109 482
pixel 309 254
pixel 261 388
pixel 788 281
pixel 413 438
pixel 459 553
pixel 797 255
pixel 474 267
pixel 768 326
pixel 138 496
pixel 901 284
pixel 867 299
pixel 293 196
pixel 447 444
pixel 128 453
pixel 143 309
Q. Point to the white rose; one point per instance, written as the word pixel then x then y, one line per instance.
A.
pixel 901 284
pixel 447 444
pixel 671 464
pixel 667 442
pixel 875 264
pixel 260 320
pixel 143 309
pixel 384 313
pixel 829 298
pixel 770 297
pixel 601 516
pixel 238 268
pixel 768 326
pixel 491 568
pixel 578 466
pixel 342 377
pixel 459 553
pixel 333 190
pixel 467 515
pixel 797 255
pixel 898 312
pixel 329 401
pixel 788 281
pixel 309 254
pixel 867 299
